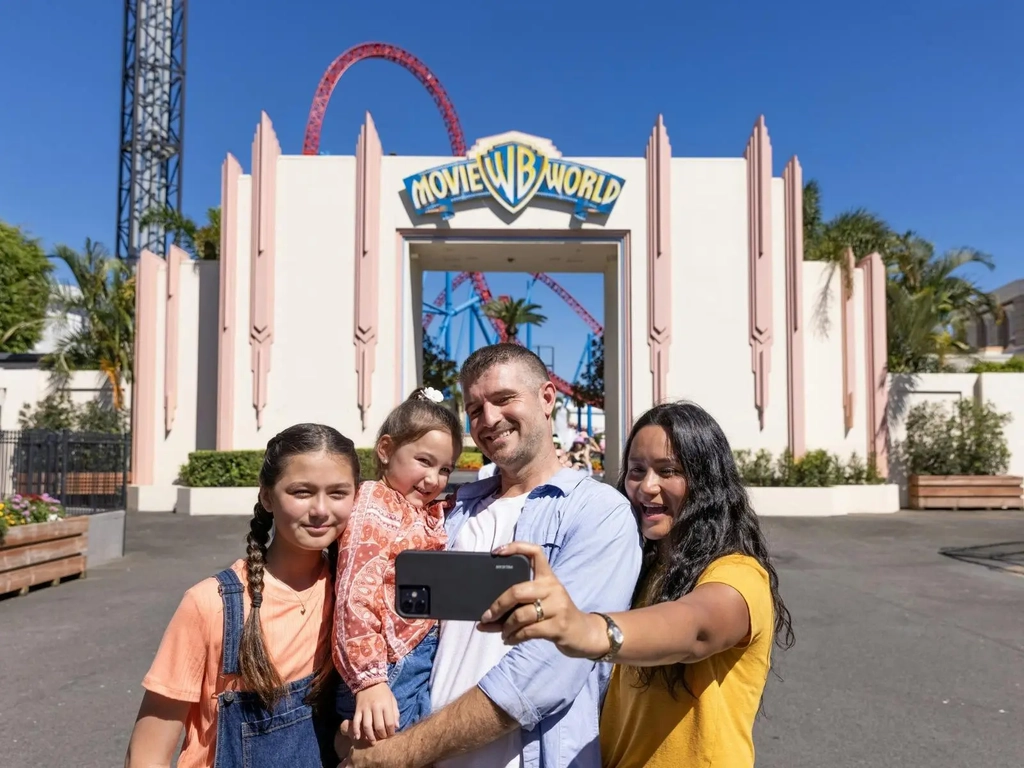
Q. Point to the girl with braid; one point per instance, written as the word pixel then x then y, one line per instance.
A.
pixel 385 660
pixel 244 668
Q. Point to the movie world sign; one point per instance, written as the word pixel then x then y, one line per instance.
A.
pixel 513 172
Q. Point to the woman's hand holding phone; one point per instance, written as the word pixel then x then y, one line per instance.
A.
pixel 545 611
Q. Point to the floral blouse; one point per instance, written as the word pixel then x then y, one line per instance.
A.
pixel 368 632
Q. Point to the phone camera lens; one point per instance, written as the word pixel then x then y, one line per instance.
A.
pixel 414 601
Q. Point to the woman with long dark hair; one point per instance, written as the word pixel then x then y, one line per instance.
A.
pixel 692 657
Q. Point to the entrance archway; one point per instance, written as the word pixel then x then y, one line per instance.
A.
pixel 606 253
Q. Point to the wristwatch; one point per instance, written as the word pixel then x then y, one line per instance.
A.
pixel 614 638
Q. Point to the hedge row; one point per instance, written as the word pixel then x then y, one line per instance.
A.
pixel 241 469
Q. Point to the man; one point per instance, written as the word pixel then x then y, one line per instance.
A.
pixel 501 707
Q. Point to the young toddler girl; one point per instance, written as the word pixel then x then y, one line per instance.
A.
pixel 245 663
pixel 384 659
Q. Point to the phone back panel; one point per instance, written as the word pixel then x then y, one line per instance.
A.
pixel 461 585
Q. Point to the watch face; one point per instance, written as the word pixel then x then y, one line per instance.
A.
pixel 617 635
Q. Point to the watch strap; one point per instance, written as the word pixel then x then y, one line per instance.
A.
pixel 614 638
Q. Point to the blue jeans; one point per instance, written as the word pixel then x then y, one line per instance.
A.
pixel 409 681
pixel 250 736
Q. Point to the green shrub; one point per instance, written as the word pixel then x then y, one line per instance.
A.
pixel 241 469
pixel 966 438
pixel 367 464
pixel 815 469
pixel 819 469
pixel 755 468
pixel 222 469
pixel 58 412
pixel 1014 365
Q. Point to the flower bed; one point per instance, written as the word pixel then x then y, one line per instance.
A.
pixel 38 545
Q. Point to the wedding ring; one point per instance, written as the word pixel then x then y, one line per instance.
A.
pixel 540 610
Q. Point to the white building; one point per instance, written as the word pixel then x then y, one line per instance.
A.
pixel 313 312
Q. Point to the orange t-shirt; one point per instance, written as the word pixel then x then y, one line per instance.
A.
pixel 187 666
pixel 368 632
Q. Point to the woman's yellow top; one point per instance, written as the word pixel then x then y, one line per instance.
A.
pixel 714 727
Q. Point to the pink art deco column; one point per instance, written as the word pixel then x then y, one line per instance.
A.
pixel 230 172
pixel 793 180
pixel 265 152
pixel 759 212
pixel 659 255
pixel 367 254
pixel 175 258
pixel 876 364
pixel 144 381
pixel 849 339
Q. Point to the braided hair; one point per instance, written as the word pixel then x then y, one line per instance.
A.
pixel 257 671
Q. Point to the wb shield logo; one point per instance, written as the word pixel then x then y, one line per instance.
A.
pixel 512 169
pixel 512 173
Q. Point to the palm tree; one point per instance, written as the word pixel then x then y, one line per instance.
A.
pixel 928 306
pixel 911 324
pixel 858 228
pixel 202 242
pixel 952 299
pixel 512 313
pixel 104 304
pixel 827 241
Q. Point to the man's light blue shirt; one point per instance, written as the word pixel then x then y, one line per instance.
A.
pixel 591 538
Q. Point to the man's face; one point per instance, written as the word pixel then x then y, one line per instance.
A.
pixel 508 413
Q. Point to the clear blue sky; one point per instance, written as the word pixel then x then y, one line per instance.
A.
pixel 910 109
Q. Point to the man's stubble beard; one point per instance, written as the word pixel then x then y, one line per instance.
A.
pixel 523 454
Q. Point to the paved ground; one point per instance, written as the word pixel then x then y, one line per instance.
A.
pixel 903 656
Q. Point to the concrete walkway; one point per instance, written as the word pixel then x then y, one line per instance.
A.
pixel 903 656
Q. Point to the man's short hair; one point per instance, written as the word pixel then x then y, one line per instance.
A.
pixel 486 358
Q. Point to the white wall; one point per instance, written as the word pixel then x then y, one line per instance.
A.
pixel 312 370
pixel 710 354
pixel 823 362
pixel 312 360
pixel 172 448
pixel 22 385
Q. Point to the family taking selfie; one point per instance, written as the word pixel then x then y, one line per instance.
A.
pixel 536 617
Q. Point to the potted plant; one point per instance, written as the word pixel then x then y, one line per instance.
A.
pixel 38 544
pixel 956 457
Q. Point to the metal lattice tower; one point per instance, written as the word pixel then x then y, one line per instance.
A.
pixel 152 120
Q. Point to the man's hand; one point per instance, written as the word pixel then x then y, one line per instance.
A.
pixel 470 722
pixel 361 753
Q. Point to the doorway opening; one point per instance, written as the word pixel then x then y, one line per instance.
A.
pixel 567 296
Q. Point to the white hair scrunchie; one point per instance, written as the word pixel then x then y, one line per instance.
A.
pixel 433 395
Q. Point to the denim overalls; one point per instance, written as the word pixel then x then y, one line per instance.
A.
pixel 409 680
pixel 249 736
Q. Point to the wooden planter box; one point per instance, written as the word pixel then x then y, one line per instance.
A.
pixel 41 553
pixel 965 492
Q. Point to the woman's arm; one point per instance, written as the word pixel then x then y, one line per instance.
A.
pixel 157 731
pixel 712 618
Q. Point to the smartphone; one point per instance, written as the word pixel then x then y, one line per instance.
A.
pixel 454 586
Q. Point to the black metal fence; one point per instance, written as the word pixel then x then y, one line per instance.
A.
pixel 87 472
